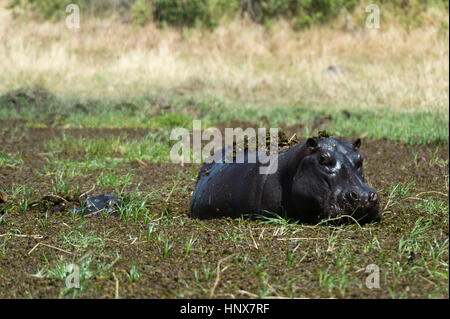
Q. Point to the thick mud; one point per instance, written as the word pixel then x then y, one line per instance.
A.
pixel 160 253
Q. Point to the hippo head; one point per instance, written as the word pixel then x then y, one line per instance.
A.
pixel 329 183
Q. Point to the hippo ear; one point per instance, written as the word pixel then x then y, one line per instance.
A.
pixel 311 143
pixel 356 144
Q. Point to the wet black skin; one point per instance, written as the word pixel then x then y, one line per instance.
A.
pixel 315 180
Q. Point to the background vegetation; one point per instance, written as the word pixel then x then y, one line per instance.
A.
pixel 388 82
pixel 208 13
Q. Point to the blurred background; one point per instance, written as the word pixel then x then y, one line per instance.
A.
pixel 260 61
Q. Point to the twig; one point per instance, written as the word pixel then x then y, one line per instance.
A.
pixel 292 138
pixel 417 198
pixel 390 197
pixel 35 246
pixel 218 274
pixel 114 240
pixel 338 218
pixel 261 235
pixel 141 162
pixel 50 246
pixel 427 280
pixel 173 188
pixel 134 242
pixel 432 192
pixel 274 291
pixel 56 196
pixel 85 193
pixel 302 238
pixel 18 235
pixel 248 293
pixel 97 211
pixel 117 285
pixel 254 242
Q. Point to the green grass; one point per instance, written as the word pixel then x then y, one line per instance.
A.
pixel 154 241
pixel 10 160
pixel 154 147
pixel 113 179
pixel 164 246
pixel 134 274
pixel 62 270
pixel 146 111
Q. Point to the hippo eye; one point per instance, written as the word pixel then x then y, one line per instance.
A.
pixel 325 159
pixel 359 162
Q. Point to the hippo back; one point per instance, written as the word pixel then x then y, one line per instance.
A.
pixel 229 190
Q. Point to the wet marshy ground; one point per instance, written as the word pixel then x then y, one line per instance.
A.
pixel 154 250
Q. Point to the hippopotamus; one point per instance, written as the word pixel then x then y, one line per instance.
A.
pixel 321 178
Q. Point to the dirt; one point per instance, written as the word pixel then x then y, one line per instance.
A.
pixel 22 98
pixel 258 251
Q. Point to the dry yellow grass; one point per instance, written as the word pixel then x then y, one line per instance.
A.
pixel 388 67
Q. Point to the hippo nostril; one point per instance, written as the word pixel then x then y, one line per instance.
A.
pixel 351 196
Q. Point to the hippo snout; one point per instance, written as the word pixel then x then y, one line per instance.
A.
pixel 361 199
pixel 362 204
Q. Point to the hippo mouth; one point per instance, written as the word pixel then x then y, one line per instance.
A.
pixel 345 212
